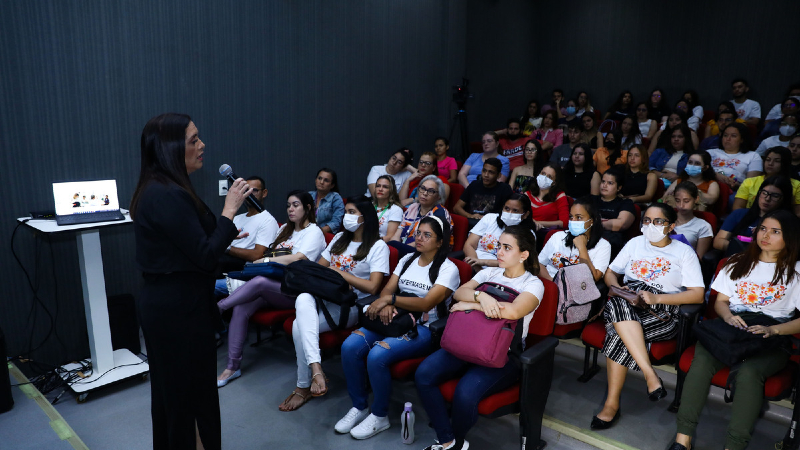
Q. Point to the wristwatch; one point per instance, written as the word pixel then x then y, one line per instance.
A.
pixel 475 296
pixel 266 260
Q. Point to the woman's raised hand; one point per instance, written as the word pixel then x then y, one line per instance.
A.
pixel 238 191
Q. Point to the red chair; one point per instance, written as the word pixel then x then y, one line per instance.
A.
pixel 271 319
pixel 777 387
pixel 708 217
pixel 660 190
pixel 460 231
pixel 550 234
pixel 329 237
pixel 456 189
pixel 476 147
pixel 720 208
pixel 529 396
pixel 634 230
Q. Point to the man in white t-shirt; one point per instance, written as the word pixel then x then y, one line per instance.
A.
pixel 260 227
pixel 748 110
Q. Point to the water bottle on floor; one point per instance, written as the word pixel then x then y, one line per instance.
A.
pixel 407 424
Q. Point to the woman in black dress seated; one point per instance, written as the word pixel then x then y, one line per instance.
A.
pixel 579 172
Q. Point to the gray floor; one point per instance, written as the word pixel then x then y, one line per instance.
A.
pixel 117 417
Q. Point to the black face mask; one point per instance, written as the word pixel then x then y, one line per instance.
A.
pixel 611 145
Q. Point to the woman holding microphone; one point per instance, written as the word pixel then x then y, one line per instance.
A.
pixel 178 243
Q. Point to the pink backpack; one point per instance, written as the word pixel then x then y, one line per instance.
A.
pixel 474 338
pixel 576 292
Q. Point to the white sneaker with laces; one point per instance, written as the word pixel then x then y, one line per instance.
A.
pixel 351 419
pixel 371 426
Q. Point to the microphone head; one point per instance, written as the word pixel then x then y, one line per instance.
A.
pixel 225 170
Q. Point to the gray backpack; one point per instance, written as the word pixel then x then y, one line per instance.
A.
pixel 576 292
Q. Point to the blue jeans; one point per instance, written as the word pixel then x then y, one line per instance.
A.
pixel 477 383
pixel 370 347
pixel 220 289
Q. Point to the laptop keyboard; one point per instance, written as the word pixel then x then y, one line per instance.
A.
pixel 104 216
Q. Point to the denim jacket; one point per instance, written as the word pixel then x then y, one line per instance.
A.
pixel 330 211
pixel 660 158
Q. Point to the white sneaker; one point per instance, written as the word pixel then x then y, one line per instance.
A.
pixel 371 426
pixel 351 419
pixel 438 446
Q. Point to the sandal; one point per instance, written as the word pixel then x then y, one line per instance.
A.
pixel 305 399
pixel 314 381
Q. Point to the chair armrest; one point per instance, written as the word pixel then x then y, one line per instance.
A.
pixel 437 329
pixel 690 312
pixel 536 352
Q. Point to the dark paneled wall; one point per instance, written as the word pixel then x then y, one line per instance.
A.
pixel 521 49
pixel 276 88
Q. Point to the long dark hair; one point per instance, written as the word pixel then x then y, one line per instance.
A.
pixel 526 208
pixel 787 202
pixel 708 174
pixel 527 243
pixel 741 264
pixel 588 162
pixel 538 160
pixel 630 141
pixel 614 152
pixel 596 231
pixel 526 117
pixel 334 178
pixel 786 159
pixel 442 233
pixel 163 156
pixel 666 139
pixel 617 105
pixel 369 235
pixel 556 188
pixel 308 205
pixel 744 132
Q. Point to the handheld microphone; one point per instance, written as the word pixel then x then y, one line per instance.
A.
pixel 227 172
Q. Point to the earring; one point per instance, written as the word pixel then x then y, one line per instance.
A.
pixel 521 261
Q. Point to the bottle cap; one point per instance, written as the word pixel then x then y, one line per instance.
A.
pixel 408 406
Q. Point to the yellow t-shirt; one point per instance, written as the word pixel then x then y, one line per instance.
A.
pixel 712 124
pixel 750 186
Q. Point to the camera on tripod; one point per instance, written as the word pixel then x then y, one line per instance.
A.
pixel 461 94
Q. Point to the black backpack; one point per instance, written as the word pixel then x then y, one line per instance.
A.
pixel 322 283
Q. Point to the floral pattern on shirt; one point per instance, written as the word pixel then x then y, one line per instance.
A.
pixel 646 270
pixel 345 263
pixel 489 244
pixel 729 163
pixel 760 295
pixel 556 259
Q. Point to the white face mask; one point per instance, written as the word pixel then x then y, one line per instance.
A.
pixel 787 130
pixel 350 222
pixel 653 233
pixel 511 219
pixel 543 181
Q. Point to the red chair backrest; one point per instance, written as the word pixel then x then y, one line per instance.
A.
pixel 465 272
pixel 329 237
pixel 660 190
pixel 570 201
pixel 708 114
pixel 393 259
pixel 476 147
pixel 460 231
pixel 549 234
pixel 456 189
pixel 635 229
pixel 708 217
pixel 712 294
pixel 720 208
pixel 544 318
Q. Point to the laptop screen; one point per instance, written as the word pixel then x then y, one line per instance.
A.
pixel 79 197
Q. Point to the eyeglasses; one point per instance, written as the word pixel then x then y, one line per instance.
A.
pixel 426 163
pixel 256 190
pixel 771 195
pixel 789 105
pixel 428 191
pixel 656 96
pixel 395 160
pixel 420 236
pixel 658 222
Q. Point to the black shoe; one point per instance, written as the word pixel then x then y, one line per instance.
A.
pixel 676 446
pixel 600 424
pixel 659 393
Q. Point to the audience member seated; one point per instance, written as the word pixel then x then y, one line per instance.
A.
pixel 724 118
pixel 590 135
pixel 448 167
pixel 563 152
pixel 747 109
pixel 657 107
pixel 362 259
pixel 480 250
pixel 387 206
pixel 259 230
pixel 622 107
pixel 426 166
pixel 549 134
pixel 556 104
pixel 763 280
pixel 473 166
pixel 691 120
pixel 788 128
pixel 524 175
pixel 549 204
pixel 735 160
pixel 400 167
pixel 775 113
pixel 584 105
pixel 483 196
pixel 647 126
pixel 776 163
pixel 774 194
pixel 304 238
pixel 697 232
pixel 618 213
pixel 698 170
pixel 666 274
pixel 518 269
pixel 629 133
pixel 327 201
pixel 421 283
pixel 789 106
pixel 512 143
pixel 640 182
pixel 693 101
pixel 668 161
pixel 428 203
pixel 664 134
pixel 579 172
pixel 794 149
pixel 611 154
pixel 569 117
pixel 582 243
pixel 532 119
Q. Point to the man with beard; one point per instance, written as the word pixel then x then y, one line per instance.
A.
pixel 512 144
pixel 724 118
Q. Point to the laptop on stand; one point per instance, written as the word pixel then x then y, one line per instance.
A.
pixel 80 202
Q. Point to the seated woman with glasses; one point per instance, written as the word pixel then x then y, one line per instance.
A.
pixel 775 193
pixel 426 166
pixel 428 203
pixel 699 172
pixel 399 167
pixel 777 162
pixel 764 279
pixel 666 274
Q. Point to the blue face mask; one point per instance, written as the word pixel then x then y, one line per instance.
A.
pixel 570 110
pixel 693 171
pixel 577 227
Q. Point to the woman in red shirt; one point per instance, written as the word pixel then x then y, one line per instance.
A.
pixel 549 205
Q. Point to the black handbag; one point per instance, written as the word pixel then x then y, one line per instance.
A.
pixel 405 322
pixel 271 253
pixel 323 284
pixel 732 345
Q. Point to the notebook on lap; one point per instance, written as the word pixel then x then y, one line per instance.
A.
pixel 86 202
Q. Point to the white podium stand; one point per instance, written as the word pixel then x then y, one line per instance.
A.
pixel 108 365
